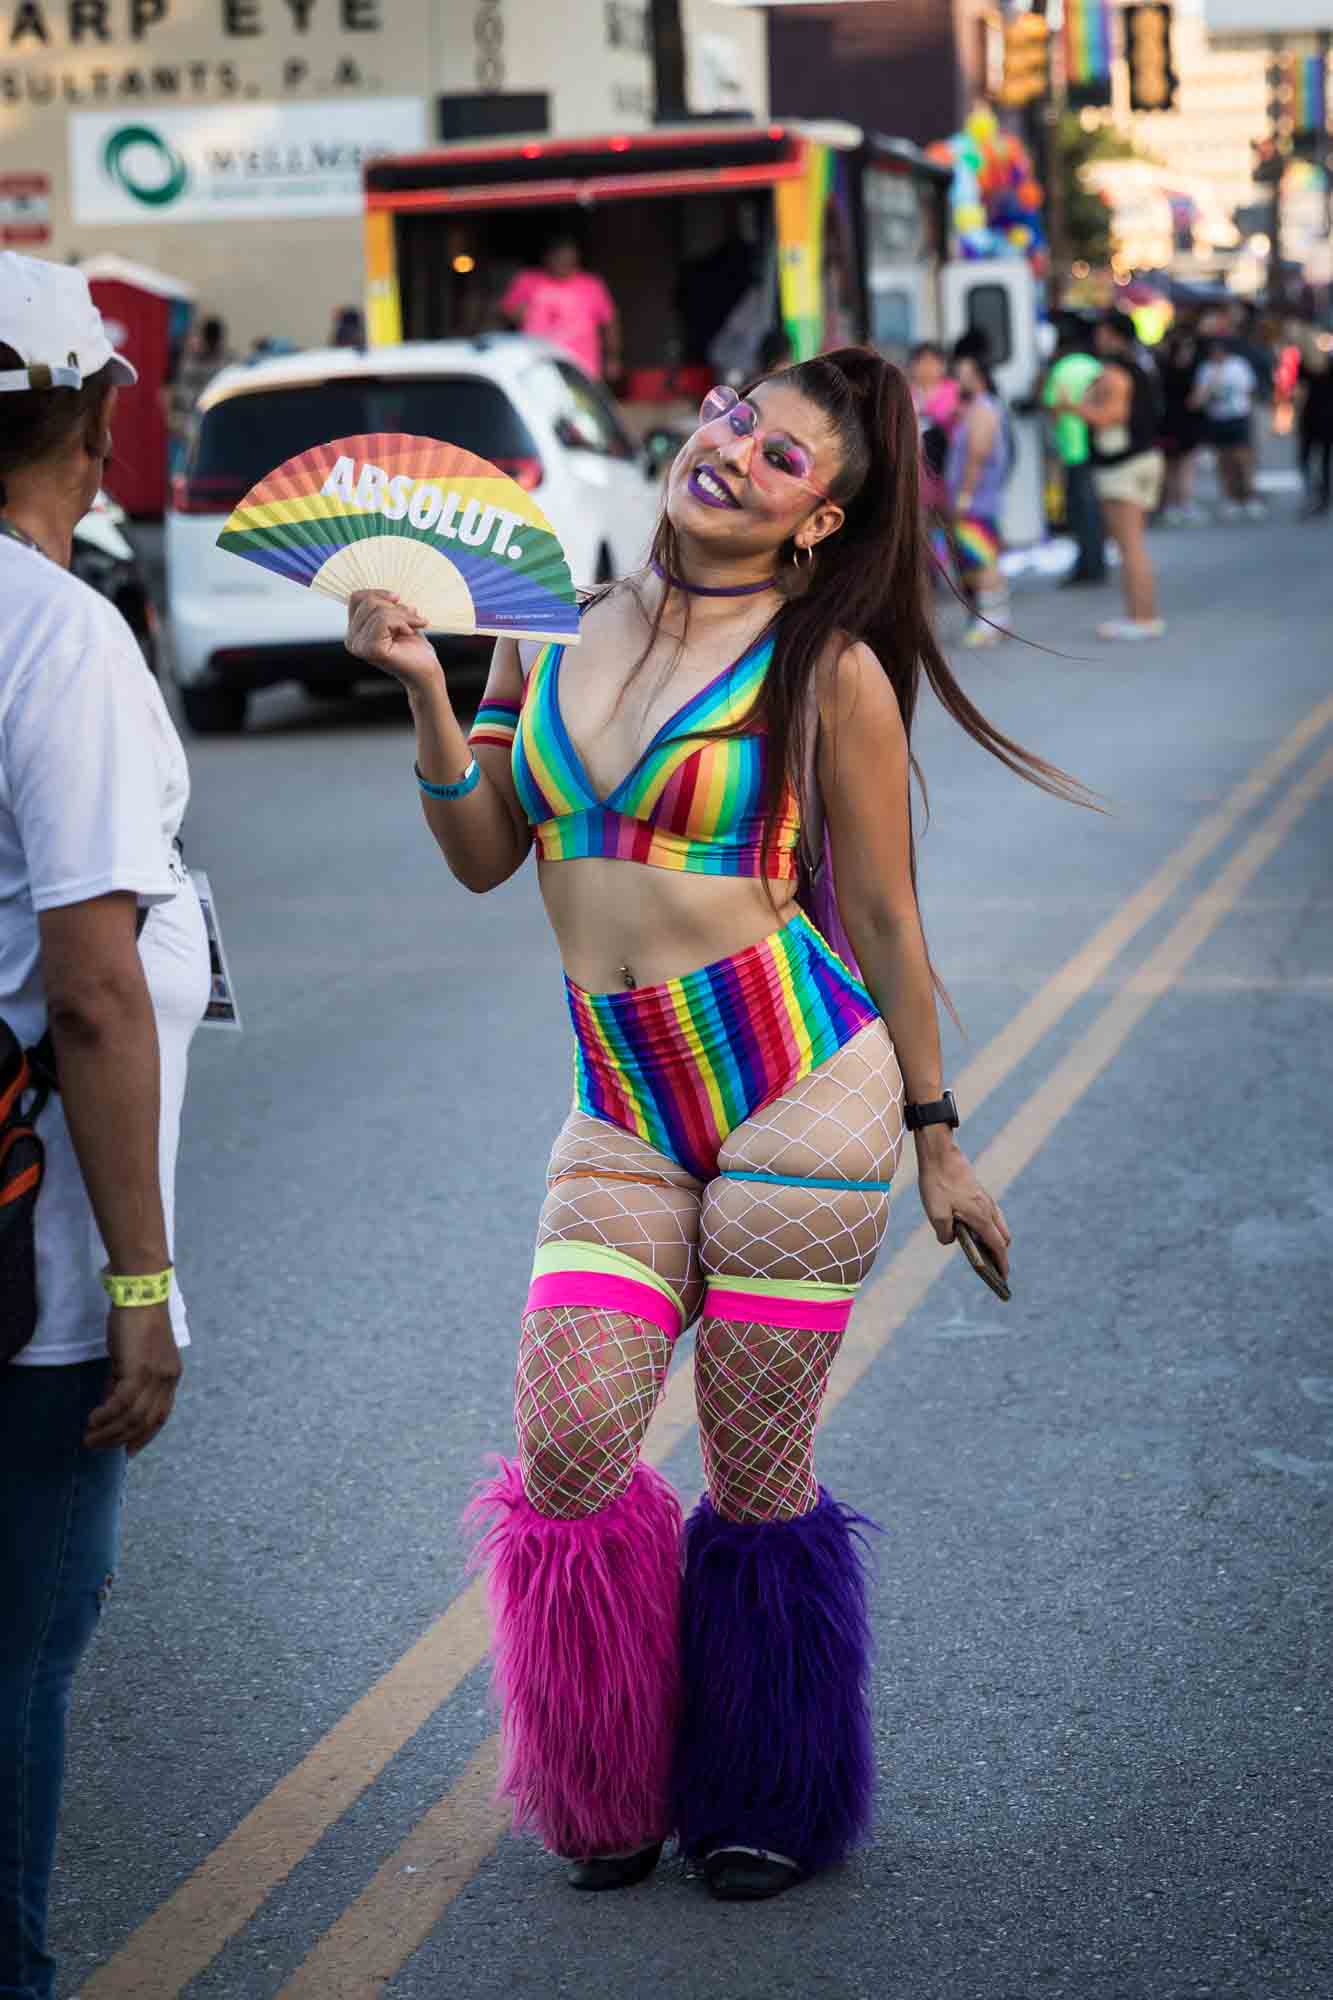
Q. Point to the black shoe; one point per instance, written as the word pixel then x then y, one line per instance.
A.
pixel 748 1874
pixel 615 1871
pixel 1081 576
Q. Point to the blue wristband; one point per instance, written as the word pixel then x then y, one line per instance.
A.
pixel 469 781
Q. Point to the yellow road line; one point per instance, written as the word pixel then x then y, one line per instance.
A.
pixel 392 1916
pixel 1031 1126
pixel 186 1932
pixel 1040 1014
pixel 406 1899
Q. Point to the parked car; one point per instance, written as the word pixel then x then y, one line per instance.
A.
pixel 104 557
pixel 522 404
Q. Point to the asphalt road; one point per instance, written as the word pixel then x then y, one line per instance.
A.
pixel 1103 1603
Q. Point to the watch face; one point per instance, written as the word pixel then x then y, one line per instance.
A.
pixel 952 1110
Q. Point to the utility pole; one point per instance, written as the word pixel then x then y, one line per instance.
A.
pixel 1276 80
pixel 1325 145
pixel 1050 166
pixel 667 35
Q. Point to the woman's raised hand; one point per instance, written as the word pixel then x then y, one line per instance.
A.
pixel 388 634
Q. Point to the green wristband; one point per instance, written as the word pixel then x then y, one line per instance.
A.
pixel 148 1288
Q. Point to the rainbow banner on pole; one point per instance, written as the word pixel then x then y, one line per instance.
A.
pixel 802 206
pixel 1309 98
pixel 1088 51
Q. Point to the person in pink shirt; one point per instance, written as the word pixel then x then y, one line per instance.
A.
pixel 935 397
pixel 568 306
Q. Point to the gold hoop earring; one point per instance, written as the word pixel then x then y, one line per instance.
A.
pixel 796 556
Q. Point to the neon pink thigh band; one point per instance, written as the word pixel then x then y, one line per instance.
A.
pixel 600 1291
pixel 763 1309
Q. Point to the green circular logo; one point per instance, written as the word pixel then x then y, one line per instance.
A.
pixel 156 181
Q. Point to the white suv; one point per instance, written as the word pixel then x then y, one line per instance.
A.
pixel 235 627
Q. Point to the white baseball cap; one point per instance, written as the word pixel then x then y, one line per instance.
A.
pixel 48 317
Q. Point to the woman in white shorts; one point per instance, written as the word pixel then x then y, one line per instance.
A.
pixel 1121 411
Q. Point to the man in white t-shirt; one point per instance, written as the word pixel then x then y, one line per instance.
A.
pixel 1225 389
pixel 102 942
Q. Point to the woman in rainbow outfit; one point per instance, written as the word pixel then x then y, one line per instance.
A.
pixel 976 471
pixel 738 1115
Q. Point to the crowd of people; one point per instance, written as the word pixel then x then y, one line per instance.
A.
pixel 1104 403
pixel 1127 426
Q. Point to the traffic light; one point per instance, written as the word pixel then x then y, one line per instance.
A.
pixel 1152 80
pixel 1026 60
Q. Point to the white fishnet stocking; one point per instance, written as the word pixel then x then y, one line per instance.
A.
pixel 611 1187
pixel 588 1383
pixel 843 1122
pixel 758 1386
pixel 759 1389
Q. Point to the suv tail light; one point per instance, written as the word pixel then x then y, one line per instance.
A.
pixel 207 495
pixel 525 472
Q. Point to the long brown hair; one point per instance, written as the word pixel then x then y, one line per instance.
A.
pixel 870 581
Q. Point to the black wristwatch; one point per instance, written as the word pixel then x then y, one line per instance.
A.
pixel 940 1111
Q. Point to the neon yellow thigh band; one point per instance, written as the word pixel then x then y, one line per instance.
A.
pixel 568 1273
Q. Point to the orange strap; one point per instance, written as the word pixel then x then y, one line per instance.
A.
pixel 611 1174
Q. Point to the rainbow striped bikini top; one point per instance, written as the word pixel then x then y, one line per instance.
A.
pixel 685 804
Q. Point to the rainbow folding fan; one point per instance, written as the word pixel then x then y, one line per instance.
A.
pixel 445 531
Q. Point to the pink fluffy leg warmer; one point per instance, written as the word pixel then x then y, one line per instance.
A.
pixel 586 1618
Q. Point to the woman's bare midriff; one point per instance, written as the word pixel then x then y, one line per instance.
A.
pixel 621 923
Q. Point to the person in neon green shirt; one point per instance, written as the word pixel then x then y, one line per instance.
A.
pixel 1068 380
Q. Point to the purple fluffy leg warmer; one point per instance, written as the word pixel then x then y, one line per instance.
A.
pixel 775 1747
pixel 587 1660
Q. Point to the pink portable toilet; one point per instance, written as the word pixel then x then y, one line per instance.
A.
pixel 147 316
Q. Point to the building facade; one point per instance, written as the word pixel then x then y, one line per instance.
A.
pixel 1205 147
pixel 1221 108
pixel 911 69
pixel 222 141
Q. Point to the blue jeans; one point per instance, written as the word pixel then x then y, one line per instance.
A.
pixel 59 1525
pixel 1083 512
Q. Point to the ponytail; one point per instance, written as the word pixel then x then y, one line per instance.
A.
pixel 868 581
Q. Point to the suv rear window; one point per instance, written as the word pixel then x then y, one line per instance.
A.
pixel 244 438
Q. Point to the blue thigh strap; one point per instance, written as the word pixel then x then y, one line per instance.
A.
pixel 809 1180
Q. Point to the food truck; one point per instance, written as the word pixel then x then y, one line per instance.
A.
pixel 711 236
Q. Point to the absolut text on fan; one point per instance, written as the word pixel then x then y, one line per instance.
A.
pixel 426 506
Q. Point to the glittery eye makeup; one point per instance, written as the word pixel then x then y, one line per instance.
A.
pixel 775 451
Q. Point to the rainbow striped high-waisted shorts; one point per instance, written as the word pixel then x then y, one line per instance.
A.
pixel 683 1064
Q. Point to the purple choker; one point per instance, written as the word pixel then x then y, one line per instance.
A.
pixel 713 589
